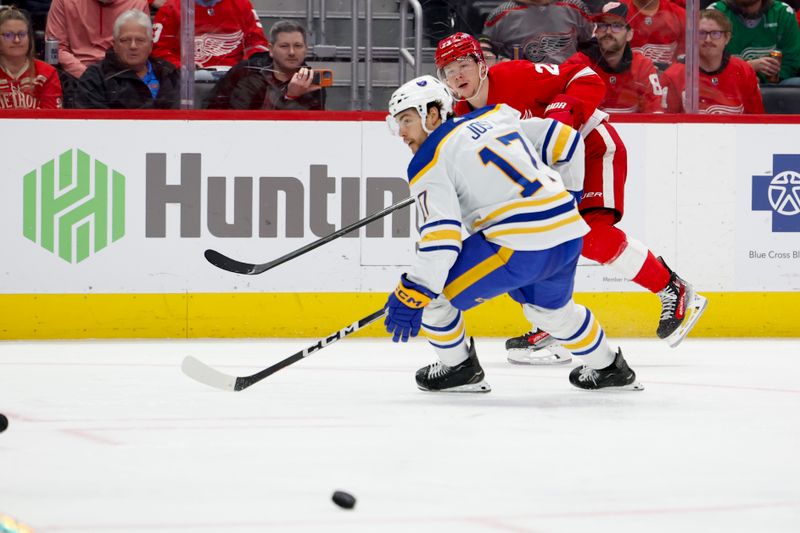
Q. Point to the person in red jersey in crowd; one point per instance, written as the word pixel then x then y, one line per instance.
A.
pixel 542 31
pixel 728 85
pixel 25 82
pixel 632 82
pixel 659 30
pixel 571 94
pixel 225 32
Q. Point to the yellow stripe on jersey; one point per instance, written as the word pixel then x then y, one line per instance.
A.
pixel 588 340
pixel 442 235
pixel 517 205
pixel 445 337
pixel 471 276
pixel 435 158
pixel 561 141
pixel 537 229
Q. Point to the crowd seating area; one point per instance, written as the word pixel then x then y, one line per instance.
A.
pixel 389 37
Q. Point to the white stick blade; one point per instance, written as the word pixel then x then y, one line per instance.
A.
pixel 199 371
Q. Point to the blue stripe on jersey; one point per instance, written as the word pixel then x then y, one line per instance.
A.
pixel 536 215
pixel 445 346
pixel 439 223
pixel 448 327
pixel 427 151
pixel 572 148
pixel 546 143
pixel 594 346
pixel 582 328
pixel 455 249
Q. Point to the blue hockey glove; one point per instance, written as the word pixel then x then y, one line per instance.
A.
pixel 404 309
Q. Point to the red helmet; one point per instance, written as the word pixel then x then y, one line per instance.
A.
pixel 456 46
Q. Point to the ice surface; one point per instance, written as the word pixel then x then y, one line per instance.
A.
pixel 112 437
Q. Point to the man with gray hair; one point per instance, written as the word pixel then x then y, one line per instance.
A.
pixel 128 77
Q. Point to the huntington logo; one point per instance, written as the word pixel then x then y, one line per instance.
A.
pixel 780 193
pixel 73 206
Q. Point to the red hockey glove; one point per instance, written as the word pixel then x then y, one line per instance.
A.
pixel 564 109
pixel 404 309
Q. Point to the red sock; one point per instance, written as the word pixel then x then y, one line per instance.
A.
pixel 653 276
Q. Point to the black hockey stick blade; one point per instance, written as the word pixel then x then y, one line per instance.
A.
pixel 232 265
pixel 199 371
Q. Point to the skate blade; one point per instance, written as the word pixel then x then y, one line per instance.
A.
pixel 481 386
pixel 635 386
pixel 695 311
pixel 552 355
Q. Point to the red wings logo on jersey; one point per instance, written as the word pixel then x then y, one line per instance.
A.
pixel 545 46
pixel 210 45
pixel 658 53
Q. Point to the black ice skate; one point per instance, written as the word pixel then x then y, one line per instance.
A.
pixel 464 377
pixel 536 347
pixel 681 308
pixel 617 376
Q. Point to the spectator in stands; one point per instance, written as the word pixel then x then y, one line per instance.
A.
pixel 37 12
pixel 542 31
pixel 284 84
pixel 659 30
pixel 491 55
pixel 25 82
pixel 225 32
pixel 631 79
pixel 759 27
pixel 728 85
pixel 84 31
pixel 128 78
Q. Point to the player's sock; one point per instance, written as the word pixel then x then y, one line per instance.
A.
pixel 653 275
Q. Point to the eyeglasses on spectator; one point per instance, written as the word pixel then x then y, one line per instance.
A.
pixel 715 35
pixel 614 27
pixel 10 35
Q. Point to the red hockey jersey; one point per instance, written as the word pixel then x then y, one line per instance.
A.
pixel 660 37
pixel 37 87
pixel 731 90
pixel 633 87
pixel 225 33
pixel 531 87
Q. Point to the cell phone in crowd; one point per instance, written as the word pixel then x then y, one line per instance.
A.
pixel 322 77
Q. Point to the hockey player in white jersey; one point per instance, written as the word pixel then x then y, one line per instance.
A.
pixel 482 174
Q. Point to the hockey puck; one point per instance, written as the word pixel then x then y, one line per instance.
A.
pixel 4 425
pixel 343 499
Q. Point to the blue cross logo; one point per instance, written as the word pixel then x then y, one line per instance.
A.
pixel 780 193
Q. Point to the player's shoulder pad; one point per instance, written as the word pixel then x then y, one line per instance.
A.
pixel 501 11
pixel 428 154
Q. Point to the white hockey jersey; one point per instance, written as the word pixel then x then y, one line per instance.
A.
pixel 486 171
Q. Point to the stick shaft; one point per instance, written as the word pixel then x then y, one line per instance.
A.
pixel 245 381
pixel 335 235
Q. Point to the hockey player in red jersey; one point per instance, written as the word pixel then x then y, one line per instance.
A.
pixel 225 32
pixel 728 85
pixel 632 83
pixel 571 94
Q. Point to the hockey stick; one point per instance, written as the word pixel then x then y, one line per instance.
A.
pixel 199 371
pixel 232 265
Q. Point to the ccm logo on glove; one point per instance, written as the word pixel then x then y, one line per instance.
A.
pixel 404 309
